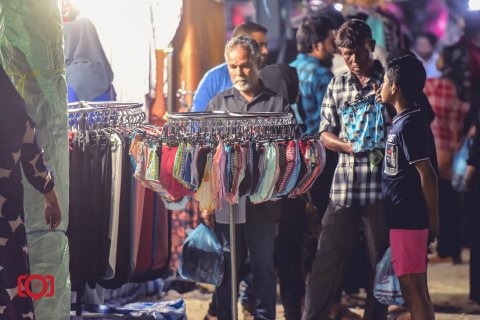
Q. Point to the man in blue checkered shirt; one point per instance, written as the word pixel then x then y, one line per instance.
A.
pixel 316 46
pixel 356 194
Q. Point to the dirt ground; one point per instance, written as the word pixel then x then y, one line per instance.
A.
pixel 448 286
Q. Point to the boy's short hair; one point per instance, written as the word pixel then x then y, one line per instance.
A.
pixel 408 73
pixel 353 33
pixel 311 31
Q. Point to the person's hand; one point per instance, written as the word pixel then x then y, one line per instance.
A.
pixel 433 232
pixel 53 215
pixel 472 131
pixel 378 92
pixel 208 218
pixel 348 148
pixel 469 177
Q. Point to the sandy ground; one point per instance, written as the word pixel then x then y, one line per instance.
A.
pixel 448 286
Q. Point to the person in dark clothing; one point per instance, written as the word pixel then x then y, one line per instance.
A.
pixel 472 181
pixel 283 80
pixel 409 184
pixel 19 149
pixel 255 223
pixel 89 74
pixel 355 197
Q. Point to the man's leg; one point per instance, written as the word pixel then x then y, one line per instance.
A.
pixel 288 256
pixel 340 227
pixel 474 240
pixel 224 291
pixel 260 239
pixel 376 239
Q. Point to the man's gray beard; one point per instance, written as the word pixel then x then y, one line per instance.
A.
pixel 242 87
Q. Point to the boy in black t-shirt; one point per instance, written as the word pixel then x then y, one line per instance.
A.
pixel 409 183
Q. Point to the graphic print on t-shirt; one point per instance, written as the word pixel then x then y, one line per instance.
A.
pixel 391 156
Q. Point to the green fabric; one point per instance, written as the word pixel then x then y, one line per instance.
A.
pixel 31 52
pixel 376 158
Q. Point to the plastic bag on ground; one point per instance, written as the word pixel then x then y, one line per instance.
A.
pixel 202 258
pixel 165 310
pixel 386 285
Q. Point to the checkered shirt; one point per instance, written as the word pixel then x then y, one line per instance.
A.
pixel 354 182
pixel 449 111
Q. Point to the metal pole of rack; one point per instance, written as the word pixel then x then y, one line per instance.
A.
pixel 233 262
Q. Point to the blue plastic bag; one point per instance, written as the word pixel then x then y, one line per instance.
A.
pixel 202 258
pixel 386 285
pixel 460 167
pixel 165 310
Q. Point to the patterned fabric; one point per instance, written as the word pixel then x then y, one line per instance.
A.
pixel 206 194
pixel 282 164
pixel 218 172
pixel 258 166
pixel 194 179
pixel 314 79
pixel 238 173
pixel 166 177
pixel 19 147
pixel 228 173
pixel 152 165
pixel 449 111
pixel 365 125
pixel 182 220
pixel 269 178
pixel 140 154
pixel 177 167
pixel 354 182
pixel 314 157
pixel 246 184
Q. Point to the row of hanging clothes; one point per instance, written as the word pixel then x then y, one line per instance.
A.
pixel 225 157
pixel 118 231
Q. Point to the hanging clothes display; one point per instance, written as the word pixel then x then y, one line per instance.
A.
pixel 270 165
pixel 258 148
pixel 127 223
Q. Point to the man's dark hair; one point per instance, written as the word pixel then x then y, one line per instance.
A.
pixel 408 73
pixel 248 28
pixel 330 11
pixel 433 39
pixel 353 33
pixel 311 31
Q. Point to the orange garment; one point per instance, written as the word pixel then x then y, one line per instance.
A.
pixel 198 44
pixel 158 108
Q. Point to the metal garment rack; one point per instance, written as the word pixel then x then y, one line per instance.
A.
pixel 84 116
pixel 234 126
